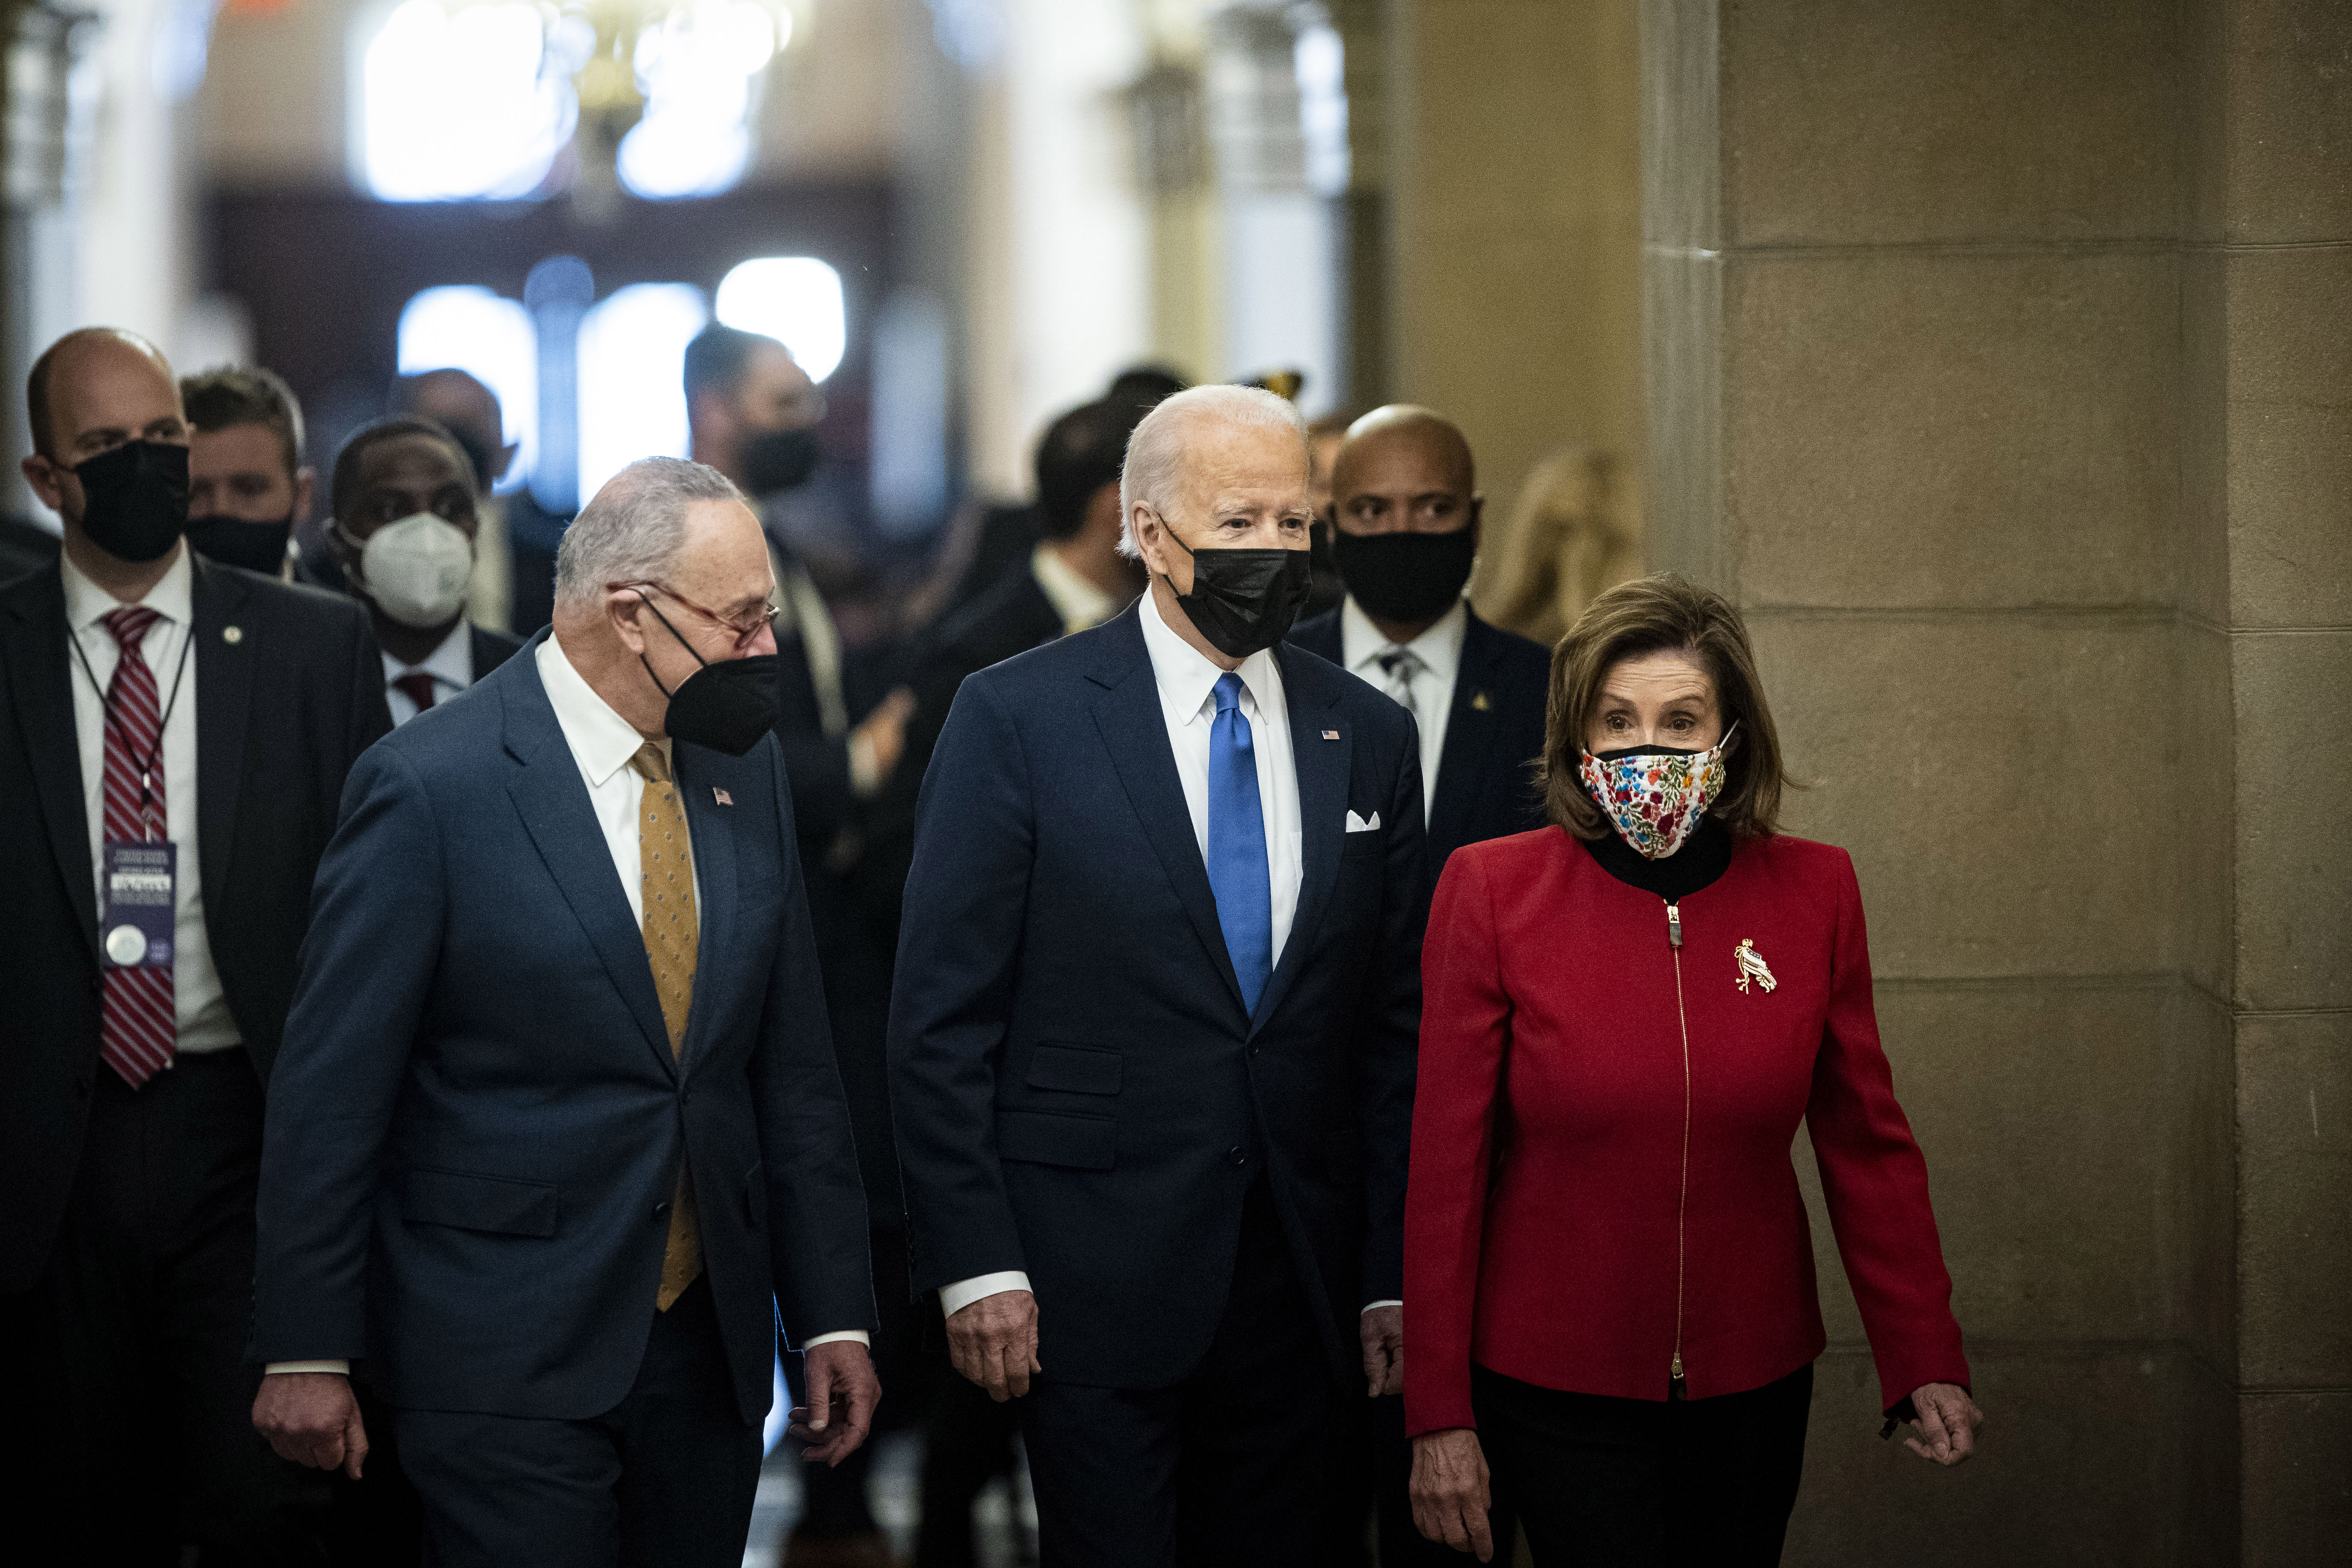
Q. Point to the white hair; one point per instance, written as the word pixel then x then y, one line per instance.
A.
pixel 633 530
pixel 1155 453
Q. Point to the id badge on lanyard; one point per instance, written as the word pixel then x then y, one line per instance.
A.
pixel 142 880
pixel 139 876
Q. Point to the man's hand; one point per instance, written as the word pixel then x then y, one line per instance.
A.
pixel 993 1341
pixel 1947 1425
pixel 1382 1330
pixel 842 1393
pixel 1450 1491
pixel 311 1419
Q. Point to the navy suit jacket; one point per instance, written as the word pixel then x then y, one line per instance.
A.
pixel 476 1122
pixel 1078 1090
pixel 1494 734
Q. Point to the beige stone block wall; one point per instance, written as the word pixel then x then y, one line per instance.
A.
pixel 2000 364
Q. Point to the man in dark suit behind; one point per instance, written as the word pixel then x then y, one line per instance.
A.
pixel 150 699
pixel 1405 504
pixel 1405 507
pixel 556 1133
pixel 1152 1038
pixel 24 545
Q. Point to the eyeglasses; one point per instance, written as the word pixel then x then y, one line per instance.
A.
pixel 744 630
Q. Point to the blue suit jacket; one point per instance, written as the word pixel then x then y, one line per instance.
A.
pixel 1493 735
pixel 1078 1090
pixel 475 1121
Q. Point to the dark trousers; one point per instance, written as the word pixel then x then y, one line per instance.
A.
pixel 1628 1483
pixel 127 1399
pixel 665 1478
pixel 1232 1466
pixel 967 1443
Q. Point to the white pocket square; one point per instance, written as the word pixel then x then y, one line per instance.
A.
pixel 1357 825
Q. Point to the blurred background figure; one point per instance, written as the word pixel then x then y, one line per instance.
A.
pixel 248 488
pixel 405 511
pixel 1574 530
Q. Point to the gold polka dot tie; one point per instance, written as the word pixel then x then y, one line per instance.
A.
pixel 672 929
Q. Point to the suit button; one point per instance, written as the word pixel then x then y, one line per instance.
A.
pixel 685 1095
pixel 661 1212
pixel 1237 1157
pixel 1255 1049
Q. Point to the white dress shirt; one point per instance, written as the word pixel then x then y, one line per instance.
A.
pixel 1080 604
pixel 199 1005
pixel 1440 651
pixel 1187 683
pixel 451 666
pixel 602 743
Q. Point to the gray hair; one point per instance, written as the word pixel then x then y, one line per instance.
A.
pixel 633 530
pixel 1155 453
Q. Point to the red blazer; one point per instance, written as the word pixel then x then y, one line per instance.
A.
pixel 1601 1187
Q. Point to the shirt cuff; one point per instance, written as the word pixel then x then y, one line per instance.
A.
pixel 340 1368
pixel 1372 1306
pixel 955 1298
pixel 858 1336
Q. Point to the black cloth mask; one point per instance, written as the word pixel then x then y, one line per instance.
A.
pixel 1244 600
pixel 234 542
pixel 135 498
pixel 726 706
pixel 777 460
pixel 1406 577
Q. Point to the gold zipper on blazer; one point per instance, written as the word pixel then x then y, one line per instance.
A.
pixel 1682 1198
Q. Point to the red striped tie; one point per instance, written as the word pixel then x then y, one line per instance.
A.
pixel 137 1031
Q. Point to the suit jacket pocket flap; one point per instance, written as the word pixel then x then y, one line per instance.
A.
pixel 1074 1070
pixel 1081 1142
pixel 500 1204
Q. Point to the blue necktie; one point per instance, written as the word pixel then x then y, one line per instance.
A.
pixel 1238 868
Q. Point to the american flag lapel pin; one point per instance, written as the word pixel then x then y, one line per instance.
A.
pixel 722 796
pixel 1330 734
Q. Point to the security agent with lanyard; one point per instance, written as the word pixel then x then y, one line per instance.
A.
pixel 174 734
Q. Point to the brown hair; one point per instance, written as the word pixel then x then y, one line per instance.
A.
pixel 1642 615
pixel 230 395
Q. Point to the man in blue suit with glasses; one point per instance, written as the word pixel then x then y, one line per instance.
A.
pixel 1152 1038
pixel 555 1138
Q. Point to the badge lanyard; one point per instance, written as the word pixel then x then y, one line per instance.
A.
pixel 155 752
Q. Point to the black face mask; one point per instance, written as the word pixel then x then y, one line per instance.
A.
pixel 1408 577
pixel 726 706
pixel 779 461
pixel 233 542
pixel 1244 600
pixel 135 498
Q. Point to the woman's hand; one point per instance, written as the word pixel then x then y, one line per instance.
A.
pixel 1450 1495
pixel 1946 1423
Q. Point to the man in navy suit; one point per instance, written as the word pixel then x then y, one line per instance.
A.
pixel 1152 1040
pixel 555 1134
pixel 1405 508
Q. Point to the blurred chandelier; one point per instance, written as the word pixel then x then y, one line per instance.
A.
pixel 479 98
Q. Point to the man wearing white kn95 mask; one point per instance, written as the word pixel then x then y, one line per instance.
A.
pixel 404 503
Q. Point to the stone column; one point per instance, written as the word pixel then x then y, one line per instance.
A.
pixel 1514 214
pixel 1999 360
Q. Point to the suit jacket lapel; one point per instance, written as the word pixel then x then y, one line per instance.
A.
pixel 1470 731
pixel 40 681
pixel 1128 713
pixel 224 704
pixel 546 792
pixel 710 828
pixel 1322 769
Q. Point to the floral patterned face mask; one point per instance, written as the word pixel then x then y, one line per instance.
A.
pixel 1654 795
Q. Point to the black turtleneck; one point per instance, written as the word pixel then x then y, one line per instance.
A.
pixel 1704 858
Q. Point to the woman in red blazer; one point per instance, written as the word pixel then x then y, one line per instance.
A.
pixel 1609 1274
